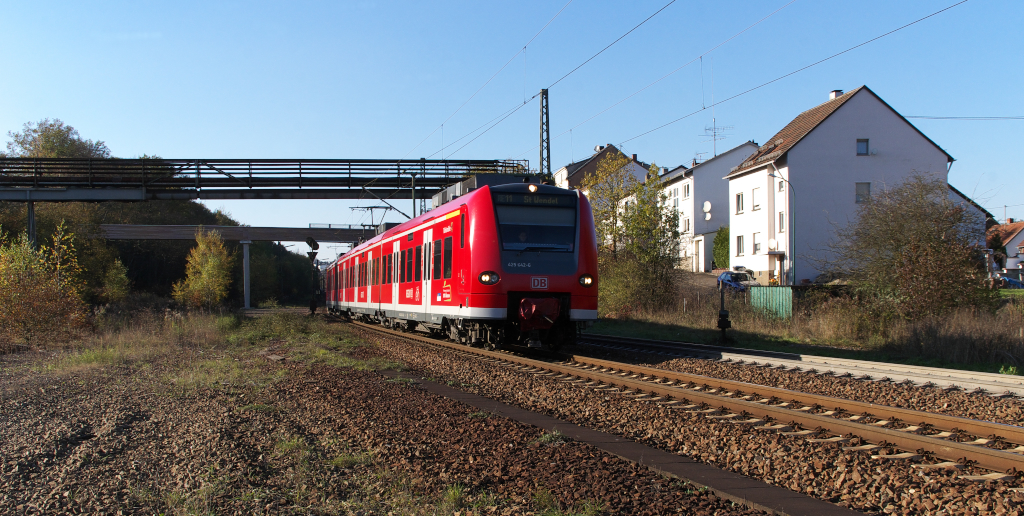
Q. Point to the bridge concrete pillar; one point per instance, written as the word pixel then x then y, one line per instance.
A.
pixel 32 223
pixel 245 271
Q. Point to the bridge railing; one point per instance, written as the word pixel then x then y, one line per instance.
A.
pixel 243 173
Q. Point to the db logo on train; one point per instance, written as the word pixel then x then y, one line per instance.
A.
pixel 539 283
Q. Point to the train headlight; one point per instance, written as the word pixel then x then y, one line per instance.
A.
pixel 532 188
pixel 489 277
pixel 587 280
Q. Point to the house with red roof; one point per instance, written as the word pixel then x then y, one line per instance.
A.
pixel 787 197
pixel 1011 237
pixel 573 174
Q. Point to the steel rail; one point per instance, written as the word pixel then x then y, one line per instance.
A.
pixel 988 458
pixel 883 412
pixel 920 375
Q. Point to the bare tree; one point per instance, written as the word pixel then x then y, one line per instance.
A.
pixel 913 252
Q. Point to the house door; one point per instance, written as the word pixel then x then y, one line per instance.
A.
pixel 700 256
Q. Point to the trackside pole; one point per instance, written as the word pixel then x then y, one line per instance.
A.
pixel 245 270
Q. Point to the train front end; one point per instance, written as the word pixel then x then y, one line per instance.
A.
pixel 543 261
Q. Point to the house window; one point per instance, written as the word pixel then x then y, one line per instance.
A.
pixel 782 222
pixel 782 187
pixel 739 203
pixel 739 245
pixel 757 245
pixel 863 192
pixel 686 225
pixel 686 191
pixel 755 199
pixel 862 147
pixel 675 203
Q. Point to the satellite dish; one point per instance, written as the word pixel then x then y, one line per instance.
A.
pixel 772 244
pixel 707 216
pixel 707 207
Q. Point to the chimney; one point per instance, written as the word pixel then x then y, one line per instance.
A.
pixel 1010 220
pixel 598 148
pixel 834 93
pixel 634 157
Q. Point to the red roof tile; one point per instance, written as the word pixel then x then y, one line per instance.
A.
pixel 1006 233
pixel 803 124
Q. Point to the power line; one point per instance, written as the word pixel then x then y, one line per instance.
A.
pixel 612 43
pixel 520 51
pixel 591 58
pixel 688 63
pixel 502 117
pixel 796 71
pixel 967 117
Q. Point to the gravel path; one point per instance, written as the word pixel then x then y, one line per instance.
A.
pixel 282 437
pixel 824 471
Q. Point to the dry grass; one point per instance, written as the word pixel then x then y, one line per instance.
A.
pixel 973 338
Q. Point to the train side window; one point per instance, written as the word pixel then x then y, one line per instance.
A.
pixel 437 259
pixel 401 268
pixel 408 265
pixel 462 233
pixel 387 269
pixel 376 271
pixel 447 257
pixel 419 263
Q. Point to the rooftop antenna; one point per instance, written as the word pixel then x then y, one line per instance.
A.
pixel 698 157
pixel 714 132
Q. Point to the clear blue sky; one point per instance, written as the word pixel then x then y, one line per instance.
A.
pixel 367 79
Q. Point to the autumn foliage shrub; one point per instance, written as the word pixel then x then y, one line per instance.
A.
pixel 40 292
pixel 207 274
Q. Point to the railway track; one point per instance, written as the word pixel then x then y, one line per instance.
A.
pixel 990 383
pixel 861 427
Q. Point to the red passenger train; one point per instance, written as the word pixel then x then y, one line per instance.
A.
pixel 514 264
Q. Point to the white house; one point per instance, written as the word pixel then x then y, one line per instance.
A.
pixel 1011 236
pixel 572 175
pixel 985 219
pixel 785 198
pixel 701 197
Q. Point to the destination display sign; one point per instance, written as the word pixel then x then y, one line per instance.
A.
pixel 530 199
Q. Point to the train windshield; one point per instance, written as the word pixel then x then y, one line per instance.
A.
pixel 550 228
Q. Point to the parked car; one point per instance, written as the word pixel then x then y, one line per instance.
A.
pixel 738 281
pixel 1011 283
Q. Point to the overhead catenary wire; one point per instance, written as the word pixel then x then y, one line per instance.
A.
pixel 669 74
pixel 520 51
pixel 581 65
pixel 965 117
pixel 794 72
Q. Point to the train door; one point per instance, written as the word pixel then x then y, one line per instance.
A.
pixel 463 255
pixel 395 286
pixel 374 288
pixel 424 265
pixel 378 278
